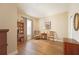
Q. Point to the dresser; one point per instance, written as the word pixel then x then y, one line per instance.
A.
pixel 3 41
pixel 71 47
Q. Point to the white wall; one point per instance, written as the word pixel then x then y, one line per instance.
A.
pixel 59 23
pixel 35 24
pixel 8 20
pixel 74 8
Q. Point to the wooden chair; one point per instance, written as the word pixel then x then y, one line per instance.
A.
pixel 52 35
pixel 21 37
pixel 36 34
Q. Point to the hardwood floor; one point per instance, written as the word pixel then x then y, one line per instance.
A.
pixel 47 47
pixel 41 47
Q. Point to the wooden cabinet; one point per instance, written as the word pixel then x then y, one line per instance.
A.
pixel 3 41
pixel 71 47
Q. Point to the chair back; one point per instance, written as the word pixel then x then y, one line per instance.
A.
pixel 52 33
pixel 36 32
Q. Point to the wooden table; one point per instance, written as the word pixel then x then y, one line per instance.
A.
pixel 44 36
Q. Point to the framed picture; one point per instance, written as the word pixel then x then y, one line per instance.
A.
pixel 48 25
pixel 76 22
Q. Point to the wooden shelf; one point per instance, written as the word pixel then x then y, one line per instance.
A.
pixel 20 31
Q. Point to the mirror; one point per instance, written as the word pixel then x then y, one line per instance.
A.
pixel 76 21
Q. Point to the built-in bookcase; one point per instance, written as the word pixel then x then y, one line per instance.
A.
pixel 20 30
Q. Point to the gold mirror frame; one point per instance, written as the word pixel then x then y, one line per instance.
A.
pixel 76 22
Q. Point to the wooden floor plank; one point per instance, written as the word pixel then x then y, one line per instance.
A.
pixel 41 47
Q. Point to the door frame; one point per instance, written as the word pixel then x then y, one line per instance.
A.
pixel 25 25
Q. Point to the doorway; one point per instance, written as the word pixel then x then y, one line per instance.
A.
pixel 24 31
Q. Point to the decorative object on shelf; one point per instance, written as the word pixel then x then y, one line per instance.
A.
pixel 76 22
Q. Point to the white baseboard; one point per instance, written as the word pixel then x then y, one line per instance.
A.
pixel 13 53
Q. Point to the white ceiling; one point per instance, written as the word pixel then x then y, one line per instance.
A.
pixel 43 9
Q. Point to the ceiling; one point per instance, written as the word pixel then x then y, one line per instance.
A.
pixel 43 9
